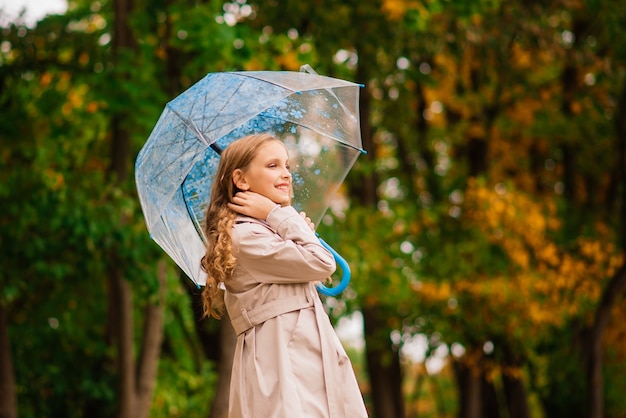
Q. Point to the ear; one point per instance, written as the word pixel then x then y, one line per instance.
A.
pixel 239 179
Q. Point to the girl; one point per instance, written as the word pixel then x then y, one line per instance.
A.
pixel 288 360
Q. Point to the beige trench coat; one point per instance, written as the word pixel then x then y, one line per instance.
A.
pixel 288 362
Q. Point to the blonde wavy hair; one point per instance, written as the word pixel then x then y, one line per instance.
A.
pixel 219 261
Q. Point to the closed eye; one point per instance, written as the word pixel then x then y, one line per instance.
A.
pixel 275 165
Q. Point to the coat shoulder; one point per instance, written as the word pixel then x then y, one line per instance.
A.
pixel 246 225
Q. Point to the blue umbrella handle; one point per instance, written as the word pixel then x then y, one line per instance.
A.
pixel 345 277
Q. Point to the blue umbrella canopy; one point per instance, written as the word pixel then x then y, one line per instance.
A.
pixel 315 116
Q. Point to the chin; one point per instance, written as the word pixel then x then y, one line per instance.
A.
pixel 283 201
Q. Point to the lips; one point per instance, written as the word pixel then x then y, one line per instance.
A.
pixel 284 187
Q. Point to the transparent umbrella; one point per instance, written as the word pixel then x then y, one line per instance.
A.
pixel 315 116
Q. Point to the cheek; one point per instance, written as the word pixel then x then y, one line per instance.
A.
pixel 266 176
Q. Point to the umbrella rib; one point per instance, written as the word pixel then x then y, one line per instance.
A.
pixel 225 103
pixel 347 144
pixel 164 169
pixel 282 86
pixel 192 126
pixel 330 89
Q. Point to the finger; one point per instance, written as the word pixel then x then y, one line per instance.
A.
pixel 237 208
pixel 241 198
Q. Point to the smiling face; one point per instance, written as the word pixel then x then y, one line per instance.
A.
pixel 267 174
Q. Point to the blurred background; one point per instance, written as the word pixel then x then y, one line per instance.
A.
pixel 484 228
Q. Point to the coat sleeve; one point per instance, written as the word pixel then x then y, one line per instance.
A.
pixel 291 255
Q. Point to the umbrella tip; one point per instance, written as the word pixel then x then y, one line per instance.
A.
pixel 362 85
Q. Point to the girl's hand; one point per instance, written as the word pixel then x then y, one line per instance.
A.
pixel 308 221
pixel 252 204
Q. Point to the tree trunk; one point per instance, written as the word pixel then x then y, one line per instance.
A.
pixel 218 345
pixel 151 347
pixel 620 149
pixel 514 389
pixel 489 399
pixel 595 384
pixel 228 340
pixel 124 339
pixel 477 150
pixel 616 286
pixel 136 384
pixel 568 84
pixel 120 141
pixel 121 304
pixel 8 397
pixel 383 365
pixel 208 333
pixel 383 360
pixel 516 397
pixel 470 391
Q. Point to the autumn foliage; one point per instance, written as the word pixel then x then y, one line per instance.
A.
pixel 487 219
